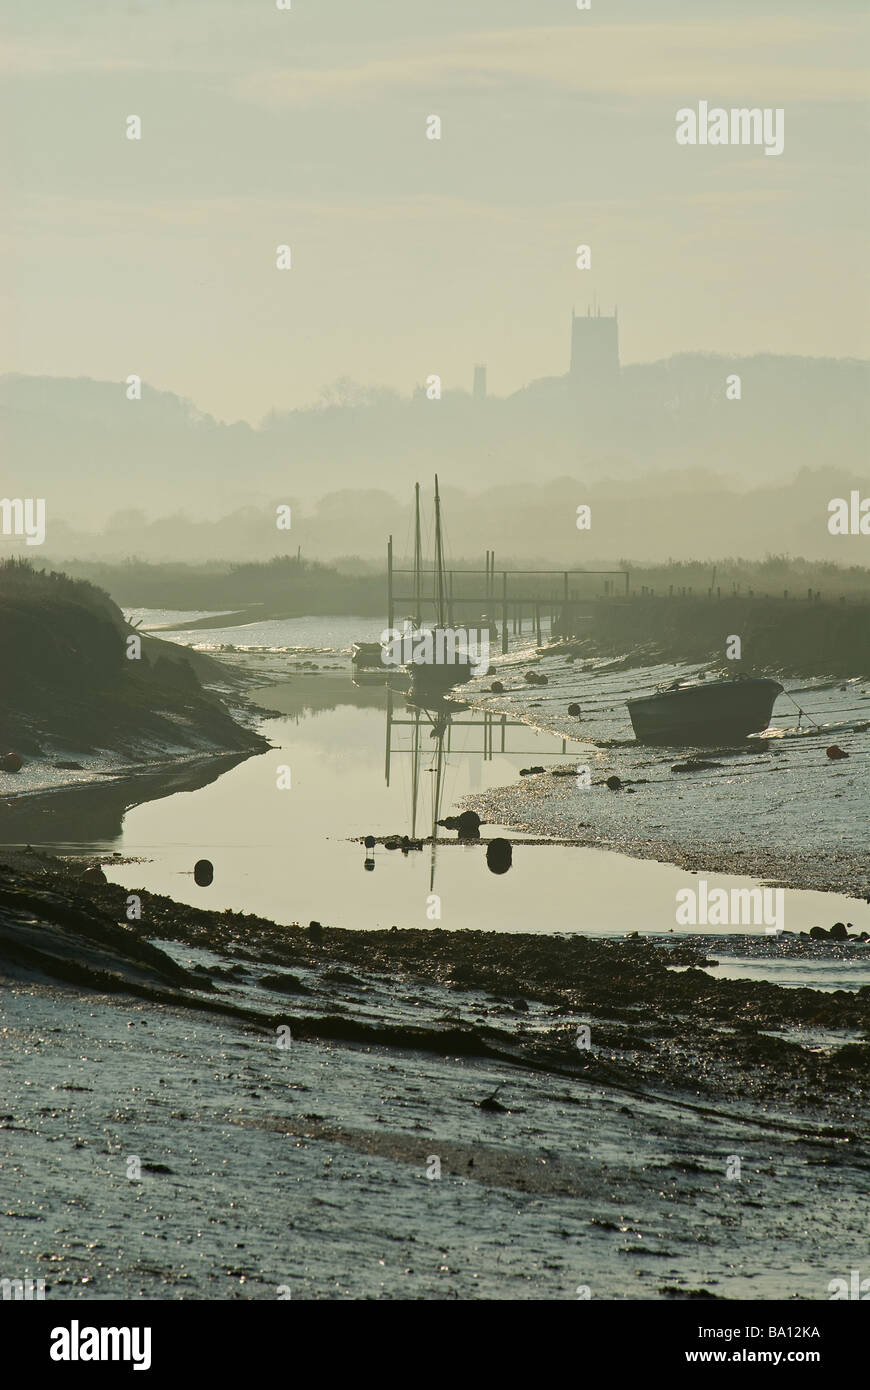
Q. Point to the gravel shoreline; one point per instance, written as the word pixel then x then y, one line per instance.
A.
pixel 775 808
pixel 836 871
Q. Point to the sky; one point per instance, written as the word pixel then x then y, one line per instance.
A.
pixel 264 127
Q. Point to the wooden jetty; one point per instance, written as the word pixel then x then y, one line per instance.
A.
pixel 491 591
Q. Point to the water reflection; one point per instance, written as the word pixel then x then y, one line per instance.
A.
pixel 499 856
pixel 93 812
pixel 429 748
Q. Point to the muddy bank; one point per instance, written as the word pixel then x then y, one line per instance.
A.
pixel 435 1123
pixel 156 1154
pixel 657 1025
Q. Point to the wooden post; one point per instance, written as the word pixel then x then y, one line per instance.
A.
pixel 390 582
pixel 538 622
pixel 504 613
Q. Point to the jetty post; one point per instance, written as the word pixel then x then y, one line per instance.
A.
pixel 504 613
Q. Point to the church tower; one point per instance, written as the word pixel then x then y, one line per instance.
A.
pixel 595 350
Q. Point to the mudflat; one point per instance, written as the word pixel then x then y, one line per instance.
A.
pixel 421 1114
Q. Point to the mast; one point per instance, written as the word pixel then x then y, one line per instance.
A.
pixel 436 803
pixel 415 774
pixel 389 743
pixel 417 558
pixel 439 561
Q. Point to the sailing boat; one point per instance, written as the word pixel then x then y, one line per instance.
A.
pixel 440 661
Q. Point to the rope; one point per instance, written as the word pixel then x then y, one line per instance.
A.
pixel 802 714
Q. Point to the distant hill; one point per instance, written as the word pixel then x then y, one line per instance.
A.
pixel 92 453
pixel 690 514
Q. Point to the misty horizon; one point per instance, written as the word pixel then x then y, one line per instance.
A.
pixel 348 391
pixel 413 255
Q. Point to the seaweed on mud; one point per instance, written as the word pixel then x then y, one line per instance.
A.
pixel 652 1027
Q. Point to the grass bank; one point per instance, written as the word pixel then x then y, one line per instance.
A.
pixel 67 682
pixel 796 637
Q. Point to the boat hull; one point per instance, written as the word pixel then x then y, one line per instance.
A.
pixel 368 655
pixel 432 679
pixel 370 666
pixel 705 713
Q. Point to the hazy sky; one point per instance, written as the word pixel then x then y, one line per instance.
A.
pixel 410 256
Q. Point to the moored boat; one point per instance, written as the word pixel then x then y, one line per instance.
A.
pixel 704 712
pixel 368 656
pixel 370 666
pixel 442 659
pixel 434 679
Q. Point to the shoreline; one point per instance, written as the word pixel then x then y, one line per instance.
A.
pixel 846 873
pixel 177 772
